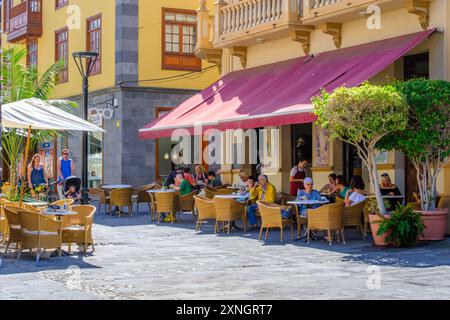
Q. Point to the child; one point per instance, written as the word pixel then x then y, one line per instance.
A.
pixel 73 194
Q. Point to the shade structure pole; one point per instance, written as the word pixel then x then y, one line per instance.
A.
pixel 84 166
pixel 24 165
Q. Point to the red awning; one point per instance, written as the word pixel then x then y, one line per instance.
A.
pixel 280 93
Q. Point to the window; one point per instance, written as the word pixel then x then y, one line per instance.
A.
pixel 32 54
pixel 62 53
pixel 179 40
pixel 61 3
pixel 94 40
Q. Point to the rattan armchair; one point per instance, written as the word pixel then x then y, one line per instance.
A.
pixel 39 232
pixel 327 218
pixel 210 193
pixel 3 225
pixel 122 198
pixel 271 218
pixel 186 203
pixel 300 221
pixel 206 210
pixel 81 232
pixel 166 202
pixel 227 211
pixel 142 196
pixel 103 199
pixel 14 228
pixel 63 202
pixel 353 217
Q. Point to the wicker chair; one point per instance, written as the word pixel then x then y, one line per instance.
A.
pixel 103 199
pixel 329 218
pixel 14 232
pixel 142 196
pixel 300 221
pixel 39 232
pixel 228 210
pixel 210 193
pixel 122 198
pixel 3 225
pixel 186 203
pixel 271 218
pixel 62 202
pixel 206 210
pixel 166 202
pixel 444 203
pixel 81 232
pixel 353 217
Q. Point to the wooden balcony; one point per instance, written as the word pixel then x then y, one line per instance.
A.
pixel 25 21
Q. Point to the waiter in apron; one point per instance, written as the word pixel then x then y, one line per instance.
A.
pixel 298 174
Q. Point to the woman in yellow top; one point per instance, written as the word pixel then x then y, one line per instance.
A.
pixel 266 192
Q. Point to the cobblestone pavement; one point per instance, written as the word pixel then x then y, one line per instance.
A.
pixel 135 259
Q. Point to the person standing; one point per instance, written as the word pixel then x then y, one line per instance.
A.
pixel 65 166
pixel 298 174
pixel 36 173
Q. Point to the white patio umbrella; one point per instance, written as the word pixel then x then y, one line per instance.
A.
pixel 35 114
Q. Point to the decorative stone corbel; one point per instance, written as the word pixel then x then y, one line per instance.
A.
pixel 421 8
pixel 213 56
pixel 334 30
pixel 241 53
pixel 303 35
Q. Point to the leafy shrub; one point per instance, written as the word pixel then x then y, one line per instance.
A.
pixel 404 227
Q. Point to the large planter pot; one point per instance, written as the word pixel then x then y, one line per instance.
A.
pixel 435 224
pixel 374 226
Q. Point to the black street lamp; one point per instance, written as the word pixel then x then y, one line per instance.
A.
pixel 85 62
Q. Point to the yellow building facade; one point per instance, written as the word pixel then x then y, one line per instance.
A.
pixel 146 67
pixel 251 33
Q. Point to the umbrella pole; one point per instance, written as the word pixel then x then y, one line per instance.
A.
pixel 24 165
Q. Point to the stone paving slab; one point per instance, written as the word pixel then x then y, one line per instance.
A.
pixel 135 259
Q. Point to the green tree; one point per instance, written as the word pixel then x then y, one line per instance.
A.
pixel 20 82
pixel 426 139
pixel 362 116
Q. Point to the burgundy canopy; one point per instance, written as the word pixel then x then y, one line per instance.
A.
pixel 280 93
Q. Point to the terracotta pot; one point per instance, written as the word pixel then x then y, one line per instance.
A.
pixel 374 226
pixel 435 224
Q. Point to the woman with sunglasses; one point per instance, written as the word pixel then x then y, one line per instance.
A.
pixel 65 166
pixel 387 188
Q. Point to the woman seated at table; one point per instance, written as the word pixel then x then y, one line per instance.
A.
pixel 189 176
pixel 357 192
pixel 308 194
pixel 201 179
pixel 263 191
pixel 36 173
pixel 181 185
pixel 387 188
pixel 341 187
pixel 330 185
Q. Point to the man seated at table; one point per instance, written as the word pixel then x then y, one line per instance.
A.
pixel 308 194
pixel 213 180
pixel 181 185
pixel 263 191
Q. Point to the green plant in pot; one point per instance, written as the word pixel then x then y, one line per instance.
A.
pixel 403 228
pixel 426 142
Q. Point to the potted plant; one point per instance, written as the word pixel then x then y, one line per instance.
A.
pixel 426 142
pixel 403 228
pixel 362 116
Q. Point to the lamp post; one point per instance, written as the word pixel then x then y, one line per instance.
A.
pixel 85 62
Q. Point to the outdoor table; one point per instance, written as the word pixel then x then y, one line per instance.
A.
pixel 238 197
pixel 112 187
pixel 160 190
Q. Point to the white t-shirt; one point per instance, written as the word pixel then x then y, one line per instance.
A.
pixel 356 198
pixel 295 169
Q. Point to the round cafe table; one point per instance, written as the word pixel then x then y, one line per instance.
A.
pixel 110 187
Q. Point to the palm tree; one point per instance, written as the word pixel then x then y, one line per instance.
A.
pixel 20 82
